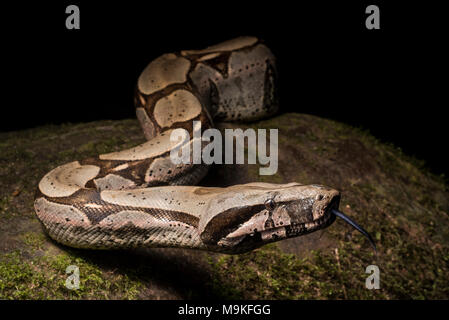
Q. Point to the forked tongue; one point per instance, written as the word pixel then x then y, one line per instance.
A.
pixel 356 226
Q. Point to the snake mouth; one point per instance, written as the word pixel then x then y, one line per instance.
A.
pixel 253 240
pixel 330 214
pixel 297 229
pixel 326 220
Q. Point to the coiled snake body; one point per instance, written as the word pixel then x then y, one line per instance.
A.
pixel 139 197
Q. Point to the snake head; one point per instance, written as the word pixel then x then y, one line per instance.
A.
pixel 251 215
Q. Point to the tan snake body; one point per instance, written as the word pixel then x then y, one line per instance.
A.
pixel 139 197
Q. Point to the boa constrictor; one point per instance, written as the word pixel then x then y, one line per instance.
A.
pixel 139 197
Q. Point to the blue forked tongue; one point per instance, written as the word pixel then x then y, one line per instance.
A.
pixel 356 226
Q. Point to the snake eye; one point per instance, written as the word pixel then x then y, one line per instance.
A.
pixel 269 204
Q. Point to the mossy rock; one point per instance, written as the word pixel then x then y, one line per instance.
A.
pixel 391 195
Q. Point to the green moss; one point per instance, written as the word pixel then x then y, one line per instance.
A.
pixel 33 240
pixel 268 273
pixel 6 210
pixel 4 204
pixel 45 278
pixel 17 279
pixel 253 172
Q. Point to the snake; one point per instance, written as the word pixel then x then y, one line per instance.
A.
pixel 138 197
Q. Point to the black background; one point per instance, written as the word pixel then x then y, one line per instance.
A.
pixel 391 81
pixel 279 309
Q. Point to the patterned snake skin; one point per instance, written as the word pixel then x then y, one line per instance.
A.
pixel 139 197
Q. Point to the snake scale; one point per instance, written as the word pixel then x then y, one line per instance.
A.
pixel 139 197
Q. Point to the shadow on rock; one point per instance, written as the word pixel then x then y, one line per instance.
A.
pixel 165 273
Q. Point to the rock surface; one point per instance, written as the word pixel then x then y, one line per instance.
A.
pixel 403 206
